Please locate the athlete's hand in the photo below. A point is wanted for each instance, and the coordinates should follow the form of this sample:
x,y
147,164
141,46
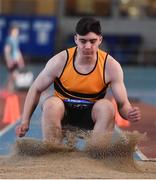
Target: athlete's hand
x,y
22,129
134,114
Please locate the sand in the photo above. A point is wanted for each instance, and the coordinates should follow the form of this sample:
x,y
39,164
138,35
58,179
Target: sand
x,y
70,165
31,158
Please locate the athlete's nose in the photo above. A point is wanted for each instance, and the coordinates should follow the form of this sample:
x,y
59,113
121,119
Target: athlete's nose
x,y
87,45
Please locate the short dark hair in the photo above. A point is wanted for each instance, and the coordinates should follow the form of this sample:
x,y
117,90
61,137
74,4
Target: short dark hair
x,y
88,24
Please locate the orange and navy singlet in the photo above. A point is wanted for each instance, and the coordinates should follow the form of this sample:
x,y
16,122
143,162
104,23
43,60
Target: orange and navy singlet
x,y
74,85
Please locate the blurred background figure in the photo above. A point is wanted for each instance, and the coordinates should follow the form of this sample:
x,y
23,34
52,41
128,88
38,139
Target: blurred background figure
x,y
13,56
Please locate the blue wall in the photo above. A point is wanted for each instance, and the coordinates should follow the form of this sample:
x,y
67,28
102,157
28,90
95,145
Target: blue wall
x,y
37,36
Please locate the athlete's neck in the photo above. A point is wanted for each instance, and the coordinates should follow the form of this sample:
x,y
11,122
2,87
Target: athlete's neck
x,y
84,60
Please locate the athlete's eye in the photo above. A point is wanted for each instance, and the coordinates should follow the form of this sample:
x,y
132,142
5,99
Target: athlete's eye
x,y
93,41
83,41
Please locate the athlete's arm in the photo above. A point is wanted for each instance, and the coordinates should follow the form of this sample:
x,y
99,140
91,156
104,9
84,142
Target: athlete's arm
x,y
52,70
114,75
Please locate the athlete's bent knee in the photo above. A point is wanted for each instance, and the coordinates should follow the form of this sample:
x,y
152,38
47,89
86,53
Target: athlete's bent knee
x,y
103,106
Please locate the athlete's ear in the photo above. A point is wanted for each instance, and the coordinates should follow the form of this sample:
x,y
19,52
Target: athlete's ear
x,y
101,39
75,38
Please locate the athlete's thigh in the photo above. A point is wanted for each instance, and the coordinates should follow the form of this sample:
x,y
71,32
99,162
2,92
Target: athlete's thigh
x,y
53,102
102,108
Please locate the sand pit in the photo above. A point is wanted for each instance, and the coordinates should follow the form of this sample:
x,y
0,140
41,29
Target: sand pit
x,y
32,158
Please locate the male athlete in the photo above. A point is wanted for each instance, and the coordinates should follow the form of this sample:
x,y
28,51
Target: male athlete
x,y
81,76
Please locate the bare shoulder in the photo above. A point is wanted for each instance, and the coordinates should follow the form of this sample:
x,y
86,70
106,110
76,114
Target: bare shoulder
x,y
58,59
113,69
56,64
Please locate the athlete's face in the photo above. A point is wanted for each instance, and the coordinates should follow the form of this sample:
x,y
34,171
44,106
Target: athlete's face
x,y
88,44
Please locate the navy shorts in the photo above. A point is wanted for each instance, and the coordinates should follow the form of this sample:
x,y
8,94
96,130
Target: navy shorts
x,y
78,113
